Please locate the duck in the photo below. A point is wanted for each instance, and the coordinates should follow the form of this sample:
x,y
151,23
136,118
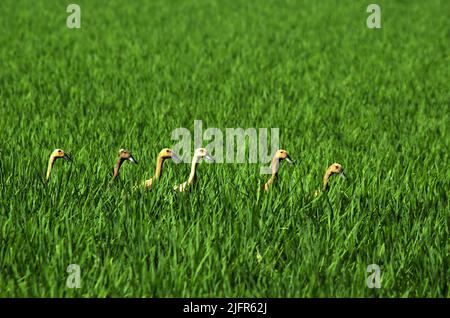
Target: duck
x,y
199,154
279,156
55,155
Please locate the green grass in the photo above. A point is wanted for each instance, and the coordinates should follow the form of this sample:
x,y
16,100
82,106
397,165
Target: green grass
x,y
376,101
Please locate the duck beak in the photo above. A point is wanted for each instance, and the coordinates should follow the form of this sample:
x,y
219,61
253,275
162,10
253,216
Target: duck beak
x,y
209,158
289,159
342,175
133,160
67,157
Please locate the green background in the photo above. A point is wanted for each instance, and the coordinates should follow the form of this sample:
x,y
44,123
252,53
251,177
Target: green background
x,y
374,100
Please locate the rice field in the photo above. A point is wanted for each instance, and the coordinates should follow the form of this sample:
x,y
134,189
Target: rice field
x,y
377,101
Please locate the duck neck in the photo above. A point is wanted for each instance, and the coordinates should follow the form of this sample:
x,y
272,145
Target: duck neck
x,y
275,166
117,167
159,166
51,162
274,176
326,180
193,173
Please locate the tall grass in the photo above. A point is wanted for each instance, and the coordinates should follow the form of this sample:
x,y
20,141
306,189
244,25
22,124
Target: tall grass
x,y
376,101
